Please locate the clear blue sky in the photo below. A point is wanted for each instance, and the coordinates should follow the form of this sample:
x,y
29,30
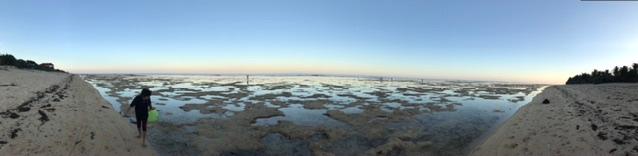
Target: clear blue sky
x,y
511,40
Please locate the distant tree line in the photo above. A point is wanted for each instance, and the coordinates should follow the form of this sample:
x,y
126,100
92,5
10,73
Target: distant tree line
x,y
618,74
9,60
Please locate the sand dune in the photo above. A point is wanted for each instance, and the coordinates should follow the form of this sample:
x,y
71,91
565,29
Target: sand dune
x,y
578,120
46,113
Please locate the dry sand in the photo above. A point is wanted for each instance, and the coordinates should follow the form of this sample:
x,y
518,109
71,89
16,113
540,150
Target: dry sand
x,y
47,113
579,120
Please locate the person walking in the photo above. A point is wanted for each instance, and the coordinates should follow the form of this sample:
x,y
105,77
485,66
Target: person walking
x,y
142,105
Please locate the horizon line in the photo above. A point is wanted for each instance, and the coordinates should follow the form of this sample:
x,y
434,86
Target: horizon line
x,y
306,74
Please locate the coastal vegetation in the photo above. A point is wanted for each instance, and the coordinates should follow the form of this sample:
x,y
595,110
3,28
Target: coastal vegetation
x,y
10,60
624,74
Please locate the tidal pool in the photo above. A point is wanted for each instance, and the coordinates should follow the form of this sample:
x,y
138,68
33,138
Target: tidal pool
x,y
316,115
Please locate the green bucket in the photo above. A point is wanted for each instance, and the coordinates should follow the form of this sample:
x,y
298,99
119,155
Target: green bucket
x,y
153,116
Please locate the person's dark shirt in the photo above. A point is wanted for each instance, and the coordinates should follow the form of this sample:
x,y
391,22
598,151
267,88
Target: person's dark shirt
x,y
141,106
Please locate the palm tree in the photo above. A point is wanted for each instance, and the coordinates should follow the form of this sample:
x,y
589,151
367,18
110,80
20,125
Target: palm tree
x,y
625,76
618,74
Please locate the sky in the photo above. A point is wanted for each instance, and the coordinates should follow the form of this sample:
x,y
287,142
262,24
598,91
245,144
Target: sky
x,y
539,41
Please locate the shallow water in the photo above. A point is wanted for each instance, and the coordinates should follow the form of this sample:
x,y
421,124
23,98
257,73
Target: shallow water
x,y
441,117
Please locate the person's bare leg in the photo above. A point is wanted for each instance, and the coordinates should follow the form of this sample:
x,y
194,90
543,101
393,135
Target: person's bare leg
x,y
139,126
144,138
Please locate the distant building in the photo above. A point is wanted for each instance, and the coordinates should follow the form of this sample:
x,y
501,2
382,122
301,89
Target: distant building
x,y
47,65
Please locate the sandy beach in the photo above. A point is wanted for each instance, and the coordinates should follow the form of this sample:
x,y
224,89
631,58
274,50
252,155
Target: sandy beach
x,y
50,113
577,120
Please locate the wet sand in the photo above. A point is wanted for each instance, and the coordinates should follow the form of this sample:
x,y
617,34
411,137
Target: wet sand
x,y
207,115
575,120
46,113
